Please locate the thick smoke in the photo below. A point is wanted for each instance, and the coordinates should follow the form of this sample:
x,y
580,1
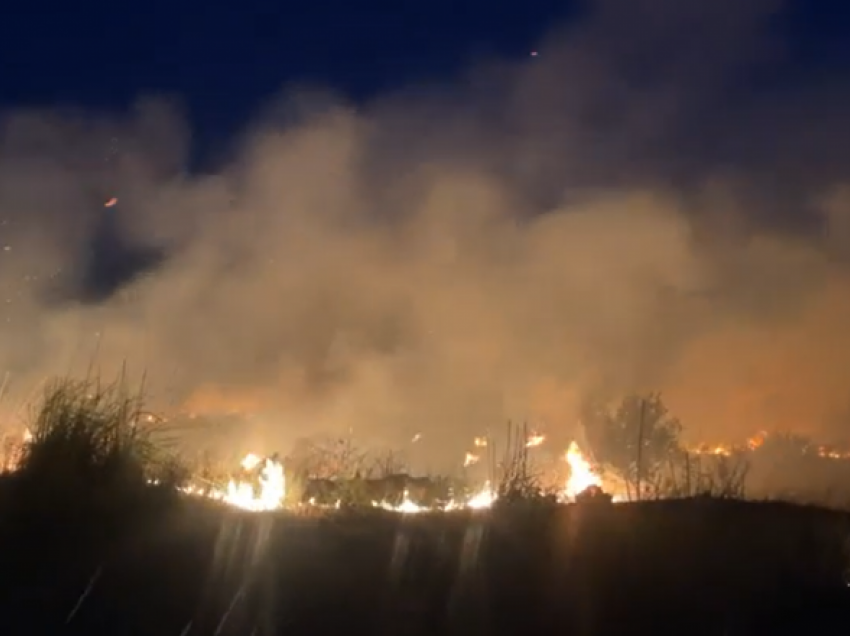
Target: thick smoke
x,y
619,213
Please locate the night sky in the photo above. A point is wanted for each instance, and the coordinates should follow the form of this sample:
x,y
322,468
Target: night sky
x,y
224,60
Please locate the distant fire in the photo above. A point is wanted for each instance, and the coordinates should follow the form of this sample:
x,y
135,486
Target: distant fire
x,y
260,484
757,442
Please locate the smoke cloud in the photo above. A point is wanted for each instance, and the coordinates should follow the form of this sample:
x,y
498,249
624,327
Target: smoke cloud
x,y
621,212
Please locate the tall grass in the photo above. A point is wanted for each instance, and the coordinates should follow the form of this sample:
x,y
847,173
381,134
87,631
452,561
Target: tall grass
x,y
516,479
91,438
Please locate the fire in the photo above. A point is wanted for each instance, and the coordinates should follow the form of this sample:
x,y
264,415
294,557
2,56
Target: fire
x,y
406,506
262,486
272,492
582,475
756,440
705,449
535,440
242,494
272,488
250,461
483,499
830,453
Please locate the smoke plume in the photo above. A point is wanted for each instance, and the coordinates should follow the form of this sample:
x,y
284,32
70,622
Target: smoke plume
x,y
621,212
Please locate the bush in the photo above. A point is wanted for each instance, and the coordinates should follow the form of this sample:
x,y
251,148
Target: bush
x,y
517,481
92,441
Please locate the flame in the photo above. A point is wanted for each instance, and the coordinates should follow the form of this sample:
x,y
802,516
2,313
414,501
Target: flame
x,y
243,495
756,440
272,488
831,453
250,461
266,491
406,506
535,440
582,475
482,499
705,449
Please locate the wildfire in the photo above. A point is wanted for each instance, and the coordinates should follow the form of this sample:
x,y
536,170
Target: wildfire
x,y
406,506
483,499
535,440
261,486
266,495
272,488
582,476
756,440
719,450
823,451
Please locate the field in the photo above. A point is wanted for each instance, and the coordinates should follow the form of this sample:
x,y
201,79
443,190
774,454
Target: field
x,y
92,544
163,565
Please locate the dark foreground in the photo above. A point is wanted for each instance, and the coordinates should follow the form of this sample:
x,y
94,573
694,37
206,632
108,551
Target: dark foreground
x,y
163,568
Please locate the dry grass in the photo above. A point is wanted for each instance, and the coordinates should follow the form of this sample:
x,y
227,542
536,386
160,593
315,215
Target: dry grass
x,y
91,438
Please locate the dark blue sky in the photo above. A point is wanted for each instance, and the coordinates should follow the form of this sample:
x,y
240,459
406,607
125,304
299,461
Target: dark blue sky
x,y
224,59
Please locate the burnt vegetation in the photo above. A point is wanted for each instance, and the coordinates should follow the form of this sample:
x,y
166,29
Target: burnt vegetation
x,y
98,540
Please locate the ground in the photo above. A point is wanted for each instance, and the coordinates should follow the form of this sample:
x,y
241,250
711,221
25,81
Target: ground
x,y
165,566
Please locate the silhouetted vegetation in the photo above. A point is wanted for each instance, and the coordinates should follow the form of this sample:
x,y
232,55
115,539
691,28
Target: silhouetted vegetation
x,y
90,546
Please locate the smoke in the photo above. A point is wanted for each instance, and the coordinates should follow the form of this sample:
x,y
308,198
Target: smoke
x,y
619,213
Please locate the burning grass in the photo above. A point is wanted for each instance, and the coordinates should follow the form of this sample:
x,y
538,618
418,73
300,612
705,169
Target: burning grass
x,y
526,565
88,438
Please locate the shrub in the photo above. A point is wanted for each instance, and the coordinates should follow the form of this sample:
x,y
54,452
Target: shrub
x,y
91,441
517,481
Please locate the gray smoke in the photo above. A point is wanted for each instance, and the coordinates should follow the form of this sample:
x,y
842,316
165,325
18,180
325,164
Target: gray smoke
x,y
617,213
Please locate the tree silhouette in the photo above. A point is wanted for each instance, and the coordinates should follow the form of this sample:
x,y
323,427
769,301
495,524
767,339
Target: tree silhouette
x,y
633,439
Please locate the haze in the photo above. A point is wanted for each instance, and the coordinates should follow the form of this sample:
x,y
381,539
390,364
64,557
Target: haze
x,y
610,215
